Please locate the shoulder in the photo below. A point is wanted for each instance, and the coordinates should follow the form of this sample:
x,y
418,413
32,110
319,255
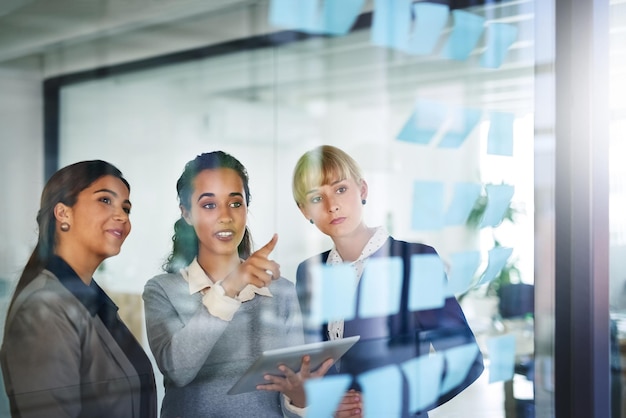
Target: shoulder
x,y
316,259
165,280
402,247
282,284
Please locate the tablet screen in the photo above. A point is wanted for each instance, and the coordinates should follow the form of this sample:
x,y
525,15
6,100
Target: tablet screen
x,y
268,361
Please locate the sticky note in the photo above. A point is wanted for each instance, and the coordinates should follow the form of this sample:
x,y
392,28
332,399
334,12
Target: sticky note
x,y
501,351
391,23
463,266
423,124
428,213
381,287
427,282
466,32
497,260
334,293
333,17
339,15
301,14
499,38
461,123
498,201
430,19
324,394
459,361
500,137
424,376
462,203
382,392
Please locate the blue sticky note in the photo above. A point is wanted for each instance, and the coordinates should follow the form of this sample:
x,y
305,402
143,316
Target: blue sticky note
x,y
382,392
324,395
430,19
339,15
498,201
463,121
499,38
381,287
428,211
497,260
428,279
501,351
391,23
423,123
463,200
334,293
500,137
465,34
301,14
424,376
463,265
459,360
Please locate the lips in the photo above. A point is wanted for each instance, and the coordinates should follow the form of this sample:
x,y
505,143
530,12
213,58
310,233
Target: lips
x,y
338,221
225,235
118,233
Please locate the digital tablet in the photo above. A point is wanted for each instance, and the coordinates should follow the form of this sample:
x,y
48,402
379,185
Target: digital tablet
x,y
268,361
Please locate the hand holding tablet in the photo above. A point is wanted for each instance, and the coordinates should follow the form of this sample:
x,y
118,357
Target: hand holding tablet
x,y
269,361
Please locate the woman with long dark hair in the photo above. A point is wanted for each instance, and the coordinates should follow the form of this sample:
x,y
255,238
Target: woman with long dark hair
x,y
220,304
66,353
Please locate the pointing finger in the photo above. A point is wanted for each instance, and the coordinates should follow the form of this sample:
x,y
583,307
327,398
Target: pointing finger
x,y
268,248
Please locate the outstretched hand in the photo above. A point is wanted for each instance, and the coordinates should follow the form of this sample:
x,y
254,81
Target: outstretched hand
x,y
292,384
257,270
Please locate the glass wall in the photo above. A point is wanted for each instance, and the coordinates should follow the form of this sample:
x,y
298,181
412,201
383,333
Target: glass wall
x,y
435,103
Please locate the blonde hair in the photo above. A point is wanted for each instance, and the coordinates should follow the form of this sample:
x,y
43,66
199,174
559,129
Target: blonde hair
x,y
320,166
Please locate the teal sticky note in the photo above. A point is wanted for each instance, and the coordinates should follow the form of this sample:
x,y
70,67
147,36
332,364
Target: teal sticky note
x,y
428,213
430,19
463,266
499,38
428,279
498,200
300,15
500,137
463,200
324,394
391,23
462,123
497,260
334,293
501,351
424,122
459,360
466,32
382,392
339,15
380,287
424,377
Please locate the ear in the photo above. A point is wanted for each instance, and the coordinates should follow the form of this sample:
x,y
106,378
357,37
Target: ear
x,y
63,213
303,211
185,215
363,190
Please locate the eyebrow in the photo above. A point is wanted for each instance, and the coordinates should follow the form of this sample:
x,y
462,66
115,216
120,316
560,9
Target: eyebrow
x,y
113,193
208,194
331,184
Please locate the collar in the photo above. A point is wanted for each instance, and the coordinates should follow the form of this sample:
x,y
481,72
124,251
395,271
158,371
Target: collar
x,y
198,280
374,244
91,296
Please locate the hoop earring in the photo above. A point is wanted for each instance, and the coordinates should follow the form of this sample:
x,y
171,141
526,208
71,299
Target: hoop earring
x,y
65,226
363,201
311,220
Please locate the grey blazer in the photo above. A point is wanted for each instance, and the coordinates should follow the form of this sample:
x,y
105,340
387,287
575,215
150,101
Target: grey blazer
x,y
60,361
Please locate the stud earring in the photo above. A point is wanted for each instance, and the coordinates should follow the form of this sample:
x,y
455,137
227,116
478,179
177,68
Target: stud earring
x,y
65,226
311,220
363,201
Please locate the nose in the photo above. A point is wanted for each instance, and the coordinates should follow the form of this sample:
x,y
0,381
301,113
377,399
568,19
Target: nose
x,y
332,205
121,215
225,216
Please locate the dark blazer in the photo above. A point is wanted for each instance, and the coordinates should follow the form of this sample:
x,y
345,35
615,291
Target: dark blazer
x,y
397,338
